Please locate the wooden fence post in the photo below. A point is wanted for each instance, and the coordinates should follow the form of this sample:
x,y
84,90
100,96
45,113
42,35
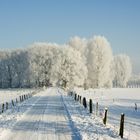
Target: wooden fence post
x,y
16,100
75,96
105,116
12,102
6,105
84,102
97,106
71,93
90,106
20,98
80,98
2,108
121,125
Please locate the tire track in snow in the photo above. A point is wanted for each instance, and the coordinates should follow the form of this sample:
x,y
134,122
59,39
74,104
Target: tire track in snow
x,y
47,118
76,135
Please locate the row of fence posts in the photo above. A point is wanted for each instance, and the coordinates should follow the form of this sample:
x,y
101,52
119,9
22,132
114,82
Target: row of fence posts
x,y
21,99
84,102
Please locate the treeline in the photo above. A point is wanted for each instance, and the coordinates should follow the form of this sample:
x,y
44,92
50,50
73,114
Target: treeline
x,y
134,81
81,62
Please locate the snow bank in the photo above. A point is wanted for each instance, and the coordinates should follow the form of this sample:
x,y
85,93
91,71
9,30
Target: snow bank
x,y
6,95
118,101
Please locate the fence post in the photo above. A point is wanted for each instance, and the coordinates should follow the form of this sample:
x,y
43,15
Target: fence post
x,y
75,96
16,100
97,108
84,102
6,105
71,93
80,98
2,108
105,116
121,125
90,105
20,98
12,102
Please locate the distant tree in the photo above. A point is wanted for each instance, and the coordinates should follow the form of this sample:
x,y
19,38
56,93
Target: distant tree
x,y
80,62
122,70
69,68
13,68
99,58
7,70
3,69
134,81
19,58
79,44
41,60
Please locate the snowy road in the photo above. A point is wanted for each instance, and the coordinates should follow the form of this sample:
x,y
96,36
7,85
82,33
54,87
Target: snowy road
x,y
46,118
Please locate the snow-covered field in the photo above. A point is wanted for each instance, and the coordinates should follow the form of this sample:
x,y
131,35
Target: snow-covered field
x,y
44,116
51,114
6,95
118,101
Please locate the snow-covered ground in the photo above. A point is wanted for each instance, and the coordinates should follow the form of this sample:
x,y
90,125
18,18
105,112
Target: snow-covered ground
x,y
118,101
44,116
6,95
52,115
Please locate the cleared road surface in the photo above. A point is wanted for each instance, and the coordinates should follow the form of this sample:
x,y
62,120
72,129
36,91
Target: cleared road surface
x,y
46,119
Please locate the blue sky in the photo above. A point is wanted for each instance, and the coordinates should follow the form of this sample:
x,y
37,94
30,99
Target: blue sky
x,y
23,22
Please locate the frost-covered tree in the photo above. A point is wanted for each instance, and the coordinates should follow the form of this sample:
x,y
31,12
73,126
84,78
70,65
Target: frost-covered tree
x,y
69,68
7,70
78,63
122,70
79,44
20,63
134,81
13,69
41,60
99,58
3,72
